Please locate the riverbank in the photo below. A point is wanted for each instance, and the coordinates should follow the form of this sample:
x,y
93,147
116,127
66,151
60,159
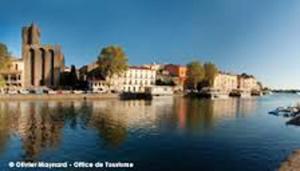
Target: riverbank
x,y
67,97
59,97
292,162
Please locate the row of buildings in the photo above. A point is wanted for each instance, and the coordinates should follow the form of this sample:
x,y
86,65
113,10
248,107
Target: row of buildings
x,y
236,84
152,77
43,65
155,77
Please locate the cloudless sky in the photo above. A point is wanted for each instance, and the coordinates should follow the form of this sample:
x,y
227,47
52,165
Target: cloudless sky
x,y
260,37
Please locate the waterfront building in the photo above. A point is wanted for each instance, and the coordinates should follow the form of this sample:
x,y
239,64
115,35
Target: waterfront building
x,y
237,85
172,75
84,70
136,79
14,74
225,82
178,72
98,85
43,64
248,83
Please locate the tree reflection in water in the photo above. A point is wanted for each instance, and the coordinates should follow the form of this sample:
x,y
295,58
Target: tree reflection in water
x,y
7,122
112,131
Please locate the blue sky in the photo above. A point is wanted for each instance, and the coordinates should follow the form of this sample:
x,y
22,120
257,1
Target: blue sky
x,y
261,37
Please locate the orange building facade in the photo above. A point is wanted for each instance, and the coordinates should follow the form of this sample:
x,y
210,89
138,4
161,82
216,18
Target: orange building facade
x,y
179,72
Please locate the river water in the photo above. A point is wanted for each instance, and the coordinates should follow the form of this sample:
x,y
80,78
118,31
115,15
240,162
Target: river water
x,y
164,134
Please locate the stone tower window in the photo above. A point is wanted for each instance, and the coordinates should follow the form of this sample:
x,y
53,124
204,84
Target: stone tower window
x,y
43,56
52,67
32,72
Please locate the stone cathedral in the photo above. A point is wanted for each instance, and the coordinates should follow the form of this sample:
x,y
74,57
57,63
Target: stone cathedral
x,y
43,64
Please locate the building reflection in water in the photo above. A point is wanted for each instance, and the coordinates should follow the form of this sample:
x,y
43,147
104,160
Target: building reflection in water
x,y
41,124
39,127
195,113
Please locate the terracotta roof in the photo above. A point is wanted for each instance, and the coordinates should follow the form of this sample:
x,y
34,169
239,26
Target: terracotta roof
x,y
139,67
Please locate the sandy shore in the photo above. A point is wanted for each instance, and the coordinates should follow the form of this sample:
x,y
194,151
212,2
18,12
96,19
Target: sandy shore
x,y
58,96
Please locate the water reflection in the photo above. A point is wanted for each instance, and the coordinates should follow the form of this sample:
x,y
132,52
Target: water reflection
x,y
41,125
194,113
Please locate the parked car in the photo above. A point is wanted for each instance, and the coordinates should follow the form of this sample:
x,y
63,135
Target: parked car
x,y
66,92
23,91
31,91
39,91
59,92
11,92
52,92
78,92
99,90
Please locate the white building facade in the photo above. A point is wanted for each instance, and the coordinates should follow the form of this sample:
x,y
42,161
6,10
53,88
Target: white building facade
x,y
137,79
14,74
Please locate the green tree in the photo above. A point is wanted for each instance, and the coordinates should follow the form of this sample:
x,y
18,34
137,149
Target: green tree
x,y
69,79
112,61
260,85
5,61
73,76
4,57
211,71
2,81
3,50
195,73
